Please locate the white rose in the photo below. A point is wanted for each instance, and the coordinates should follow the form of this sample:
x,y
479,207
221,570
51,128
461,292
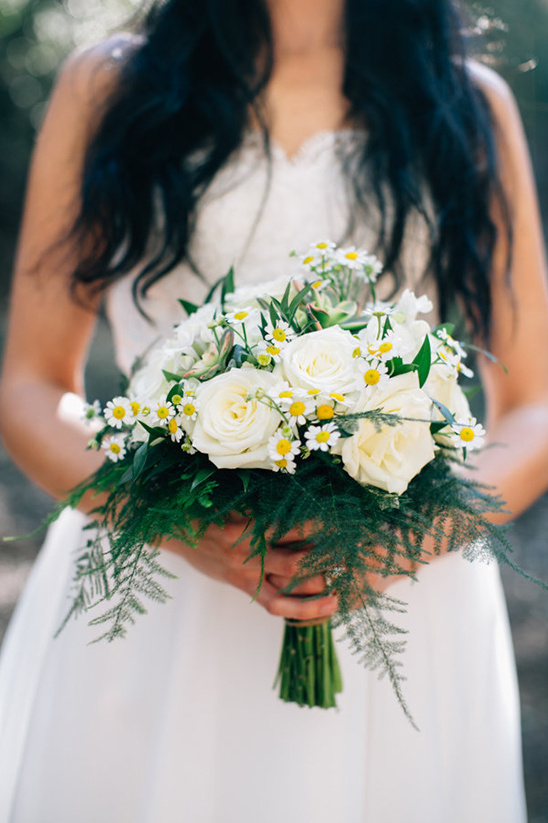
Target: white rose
x,y
321,360
442,385
231,430
390,457
148,383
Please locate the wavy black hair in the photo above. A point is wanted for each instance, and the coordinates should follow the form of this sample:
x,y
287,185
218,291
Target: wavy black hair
x,y
198,72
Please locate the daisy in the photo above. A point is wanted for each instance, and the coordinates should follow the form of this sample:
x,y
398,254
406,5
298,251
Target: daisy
x,y
374,374
280,334
118,411
175,431
299,408
268,352
115,447
468,434
244,315
282,446
321,437
162,410
188,407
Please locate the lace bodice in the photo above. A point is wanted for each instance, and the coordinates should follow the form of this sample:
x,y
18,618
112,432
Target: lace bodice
x,y
251,217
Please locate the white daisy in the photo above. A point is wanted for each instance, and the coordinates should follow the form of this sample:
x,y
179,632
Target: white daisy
x,y
374,374
243,315
468,434
280,334
161,411
118,411
267,351
321,437
176,433
282,445
188,406
115,446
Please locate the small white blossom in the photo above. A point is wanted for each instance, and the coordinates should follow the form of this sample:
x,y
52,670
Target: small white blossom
x,y
468,434
243,315
118,411
280,334
115,446
282,446
91,411
266,352
374,374
321,438
162,410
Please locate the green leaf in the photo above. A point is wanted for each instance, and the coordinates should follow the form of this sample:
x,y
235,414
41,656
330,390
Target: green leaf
x,y
244,477
299,298
422,361
170,375
489,356
202,475
213,289
285,298
444,410
189,307
227,285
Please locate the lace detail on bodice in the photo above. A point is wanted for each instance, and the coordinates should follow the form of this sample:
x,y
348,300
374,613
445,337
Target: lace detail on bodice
x,y
251,217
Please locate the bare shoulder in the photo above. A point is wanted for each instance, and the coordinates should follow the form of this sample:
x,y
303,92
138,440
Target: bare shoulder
x,y
89,76
497,91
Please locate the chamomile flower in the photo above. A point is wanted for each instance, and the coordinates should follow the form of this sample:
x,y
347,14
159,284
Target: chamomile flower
x,y
115,446
384,348
450,342
300,407
468,434
162,410
176,433
352,258
188,406
91,411
117,412
321,438
286,464
280,334
243,315
283,449
374,374
320,254
267,352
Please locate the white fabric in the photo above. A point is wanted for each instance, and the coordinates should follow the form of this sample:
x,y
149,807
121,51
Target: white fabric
x,y
179,722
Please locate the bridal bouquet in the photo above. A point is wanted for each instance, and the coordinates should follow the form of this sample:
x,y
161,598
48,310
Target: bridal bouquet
x,y
307,404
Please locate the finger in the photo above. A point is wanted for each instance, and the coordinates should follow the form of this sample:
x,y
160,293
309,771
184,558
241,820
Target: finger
x,y
295,608
284,562
314,585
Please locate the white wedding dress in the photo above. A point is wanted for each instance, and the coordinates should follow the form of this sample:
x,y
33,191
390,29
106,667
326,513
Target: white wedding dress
x,y
179,723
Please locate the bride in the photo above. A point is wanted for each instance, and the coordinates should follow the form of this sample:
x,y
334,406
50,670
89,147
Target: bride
x,y
229,132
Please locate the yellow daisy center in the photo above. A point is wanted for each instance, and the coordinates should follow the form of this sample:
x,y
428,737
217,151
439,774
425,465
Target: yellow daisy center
x,y
279,335
162,412
264,359
372,377
308,260
340,397
189,409
321,246
317,284
467,434
283,446
172,425
281,463
273,350
313,392
357,351
351,255
385,347
322,437
176,399
118,412
297,408
135,407
325,412
115,448
286,394
240,315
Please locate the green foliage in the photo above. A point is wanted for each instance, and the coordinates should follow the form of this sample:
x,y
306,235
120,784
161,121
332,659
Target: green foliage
x,y
357,532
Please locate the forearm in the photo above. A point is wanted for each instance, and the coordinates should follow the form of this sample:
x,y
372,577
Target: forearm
x,y
515,462
45,434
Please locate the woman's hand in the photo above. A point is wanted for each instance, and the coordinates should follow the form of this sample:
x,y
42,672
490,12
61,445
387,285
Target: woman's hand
x,y
218,557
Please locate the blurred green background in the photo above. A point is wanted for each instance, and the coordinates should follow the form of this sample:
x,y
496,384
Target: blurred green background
x,y
35,36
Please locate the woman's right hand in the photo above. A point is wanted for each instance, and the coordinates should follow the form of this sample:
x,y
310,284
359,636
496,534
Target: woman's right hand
x,y
218,557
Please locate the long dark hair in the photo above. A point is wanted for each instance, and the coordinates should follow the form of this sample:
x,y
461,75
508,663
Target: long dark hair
x,y
199,71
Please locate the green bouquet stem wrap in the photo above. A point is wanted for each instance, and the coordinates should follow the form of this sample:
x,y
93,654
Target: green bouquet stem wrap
x,y
309,673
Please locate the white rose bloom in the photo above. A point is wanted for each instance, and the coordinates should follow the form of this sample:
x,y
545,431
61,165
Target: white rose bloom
x,y
442,385
149,383
322,360
390,457
232,431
